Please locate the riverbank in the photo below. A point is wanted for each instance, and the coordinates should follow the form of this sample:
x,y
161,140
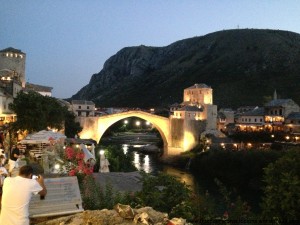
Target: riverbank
x,y
120,181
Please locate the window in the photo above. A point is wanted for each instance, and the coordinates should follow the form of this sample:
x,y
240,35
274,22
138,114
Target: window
x,y
255,120
88,107
280,111
79,113
79,107
261,120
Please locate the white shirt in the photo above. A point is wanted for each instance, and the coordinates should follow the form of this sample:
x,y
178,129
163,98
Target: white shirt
x,y
3,173
17,192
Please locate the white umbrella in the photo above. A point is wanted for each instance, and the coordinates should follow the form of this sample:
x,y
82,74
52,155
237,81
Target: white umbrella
x,y
87,154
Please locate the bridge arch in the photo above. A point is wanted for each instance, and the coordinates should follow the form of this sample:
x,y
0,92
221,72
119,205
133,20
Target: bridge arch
x,y
94,127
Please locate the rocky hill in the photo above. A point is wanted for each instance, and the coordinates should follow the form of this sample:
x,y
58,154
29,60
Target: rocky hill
x,y
243,67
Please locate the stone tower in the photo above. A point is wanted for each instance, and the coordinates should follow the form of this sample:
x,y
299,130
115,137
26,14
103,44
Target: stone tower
x,y
12,63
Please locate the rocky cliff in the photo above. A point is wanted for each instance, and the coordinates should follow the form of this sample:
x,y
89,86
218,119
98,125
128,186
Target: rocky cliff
x,y
243,67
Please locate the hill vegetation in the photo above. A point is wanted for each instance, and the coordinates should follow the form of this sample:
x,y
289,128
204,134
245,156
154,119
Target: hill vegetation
x,y
243,67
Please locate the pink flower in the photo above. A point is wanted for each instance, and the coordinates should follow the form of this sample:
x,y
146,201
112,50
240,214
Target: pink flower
x,y
69,152
72,173
79,155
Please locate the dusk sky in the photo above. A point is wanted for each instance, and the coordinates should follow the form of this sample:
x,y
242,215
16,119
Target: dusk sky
x,y
68,41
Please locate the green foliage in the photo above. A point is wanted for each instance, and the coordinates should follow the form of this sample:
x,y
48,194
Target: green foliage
x,y
119,162
72,128
162,192
36,112
242,169
282,190
95,196
235,208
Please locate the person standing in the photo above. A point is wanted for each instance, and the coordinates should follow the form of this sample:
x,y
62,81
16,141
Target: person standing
x,y
3,174
14,156
16,196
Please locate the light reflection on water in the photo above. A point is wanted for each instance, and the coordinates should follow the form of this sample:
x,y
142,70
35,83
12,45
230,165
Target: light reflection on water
x,y
149,164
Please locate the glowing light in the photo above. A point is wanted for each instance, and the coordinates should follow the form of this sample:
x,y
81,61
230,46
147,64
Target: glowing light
x,y
57,166
189,141
101,152
147,123
137,160
146,166
287,137
138,123
125,148
249,145
125,121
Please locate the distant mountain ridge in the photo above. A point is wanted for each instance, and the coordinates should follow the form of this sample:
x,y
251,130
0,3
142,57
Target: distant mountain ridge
x,y
242,66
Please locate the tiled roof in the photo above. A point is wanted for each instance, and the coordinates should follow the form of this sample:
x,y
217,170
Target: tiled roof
x,y
221,115
190,108
279,102
258,111
38,88
82,102
294,115
198,86
10,49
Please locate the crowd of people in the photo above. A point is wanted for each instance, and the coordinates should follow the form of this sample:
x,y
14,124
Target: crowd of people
x,y
16,190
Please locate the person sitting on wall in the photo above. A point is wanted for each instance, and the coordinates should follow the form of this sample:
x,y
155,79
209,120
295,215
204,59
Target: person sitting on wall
x,y
17,193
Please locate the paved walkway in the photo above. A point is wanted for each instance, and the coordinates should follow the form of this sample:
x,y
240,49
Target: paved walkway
x,y
120,181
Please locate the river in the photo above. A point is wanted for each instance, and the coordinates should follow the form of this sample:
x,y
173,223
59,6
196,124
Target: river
x,y
133,143
147,161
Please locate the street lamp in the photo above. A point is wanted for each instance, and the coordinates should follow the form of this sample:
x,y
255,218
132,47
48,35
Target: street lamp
x,y
125,122
287,138
138,123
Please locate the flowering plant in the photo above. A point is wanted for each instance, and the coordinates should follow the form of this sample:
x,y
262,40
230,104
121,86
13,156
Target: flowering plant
x,y
76,163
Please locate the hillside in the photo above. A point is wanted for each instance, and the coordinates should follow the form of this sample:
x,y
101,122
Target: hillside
x,y
243,67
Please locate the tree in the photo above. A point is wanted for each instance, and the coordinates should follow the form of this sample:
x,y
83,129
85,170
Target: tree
x,y
36,112
72,128
282,190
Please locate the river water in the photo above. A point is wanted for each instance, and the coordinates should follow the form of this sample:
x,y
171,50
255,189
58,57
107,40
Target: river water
x,y
134,143
147,161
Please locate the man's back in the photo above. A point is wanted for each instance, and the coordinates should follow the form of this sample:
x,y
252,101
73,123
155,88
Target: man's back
x,y
17,192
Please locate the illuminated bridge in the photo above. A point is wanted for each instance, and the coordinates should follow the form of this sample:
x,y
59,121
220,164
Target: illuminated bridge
x,y
176,134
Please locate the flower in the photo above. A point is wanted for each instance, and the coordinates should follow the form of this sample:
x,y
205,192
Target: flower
x,y
69,153
72,172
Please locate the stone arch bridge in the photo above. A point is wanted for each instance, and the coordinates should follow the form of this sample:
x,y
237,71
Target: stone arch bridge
x,y
94,127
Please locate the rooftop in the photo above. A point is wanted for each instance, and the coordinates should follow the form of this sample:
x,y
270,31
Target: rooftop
x,y
190,108
82,102
38,88
279,102
198,86
257,111
13,50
